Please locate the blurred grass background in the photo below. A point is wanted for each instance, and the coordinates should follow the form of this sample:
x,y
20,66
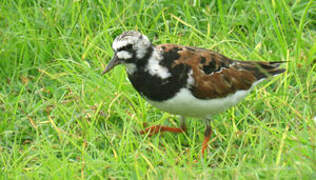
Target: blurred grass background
x,y
61,119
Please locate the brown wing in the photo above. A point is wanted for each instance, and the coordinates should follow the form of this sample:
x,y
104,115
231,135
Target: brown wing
x,y
218,76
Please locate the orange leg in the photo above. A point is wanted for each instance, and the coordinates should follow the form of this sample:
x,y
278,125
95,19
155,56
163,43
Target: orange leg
x,y
156,129
207,134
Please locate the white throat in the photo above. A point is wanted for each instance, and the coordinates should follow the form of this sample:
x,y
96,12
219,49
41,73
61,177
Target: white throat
x,y
130,68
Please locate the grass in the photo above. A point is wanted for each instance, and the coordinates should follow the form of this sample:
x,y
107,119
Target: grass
x,y
61,119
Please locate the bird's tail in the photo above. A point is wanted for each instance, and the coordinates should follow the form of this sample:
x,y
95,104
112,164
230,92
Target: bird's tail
x,y
263,69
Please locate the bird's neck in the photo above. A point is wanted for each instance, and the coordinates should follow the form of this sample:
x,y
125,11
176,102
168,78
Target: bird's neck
x,y
140,63
153,79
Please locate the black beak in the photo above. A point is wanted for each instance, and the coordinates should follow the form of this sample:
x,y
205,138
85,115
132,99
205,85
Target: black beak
x,y
114,61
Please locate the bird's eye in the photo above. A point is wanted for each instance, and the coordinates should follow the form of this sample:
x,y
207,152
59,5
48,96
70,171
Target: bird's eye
x,y
128,47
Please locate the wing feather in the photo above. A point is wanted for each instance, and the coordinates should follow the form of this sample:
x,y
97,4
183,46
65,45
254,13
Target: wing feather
x,y
216,75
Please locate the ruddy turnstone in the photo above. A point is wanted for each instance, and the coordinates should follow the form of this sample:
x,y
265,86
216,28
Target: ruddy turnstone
x,y
187,81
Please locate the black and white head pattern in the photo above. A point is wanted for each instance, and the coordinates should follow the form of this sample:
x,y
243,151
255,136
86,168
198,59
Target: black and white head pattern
x,y
131,44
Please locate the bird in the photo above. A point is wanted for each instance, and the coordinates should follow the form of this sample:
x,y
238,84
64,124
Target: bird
x,y
186,81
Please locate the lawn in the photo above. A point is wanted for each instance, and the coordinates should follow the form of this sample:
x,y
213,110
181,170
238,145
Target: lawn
x,y
61,119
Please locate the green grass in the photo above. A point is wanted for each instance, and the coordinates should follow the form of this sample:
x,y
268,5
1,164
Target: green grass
x,y
61,119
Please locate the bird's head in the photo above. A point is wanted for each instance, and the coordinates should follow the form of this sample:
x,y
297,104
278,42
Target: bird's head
x,y
129,47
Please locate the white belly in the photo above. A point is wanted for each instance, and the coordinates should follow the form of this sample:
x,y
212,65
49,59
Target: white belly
x,y
185,104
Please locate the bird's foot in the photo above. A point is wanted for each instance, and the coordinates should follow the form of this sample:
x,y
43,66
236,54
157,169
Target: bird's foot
x,y
157,128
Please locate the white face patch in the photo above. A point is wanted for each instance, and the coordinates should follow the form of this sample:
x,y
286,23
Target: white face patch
x,y
140,53
154,68
142,46
130,68
139,42
124,55
117,44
